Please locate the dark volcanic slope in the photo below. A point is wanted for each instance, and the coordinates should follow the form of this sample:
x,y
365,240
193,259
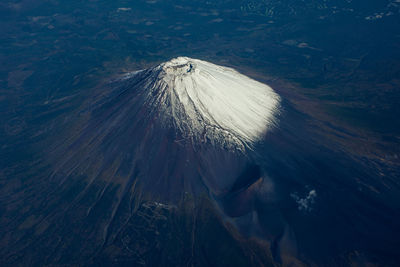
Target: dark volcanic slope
x,y
123,184
130,156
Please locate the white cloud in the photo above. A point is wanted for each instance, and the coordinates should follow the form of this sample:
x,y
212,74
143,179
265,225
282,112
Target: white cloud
x,y
304,204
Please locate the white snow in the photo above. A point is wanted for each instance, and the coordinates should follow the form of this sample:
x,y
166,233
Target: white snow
x,y
207,102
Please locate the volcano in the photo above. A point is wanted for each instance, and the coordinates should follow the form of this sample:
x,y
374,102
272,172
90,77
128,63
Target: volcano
x,y
184,126
192,163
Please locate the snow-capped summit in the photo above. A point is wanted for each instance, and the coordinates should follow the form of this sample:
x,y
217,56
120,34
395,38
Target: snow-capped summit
x,y
210,103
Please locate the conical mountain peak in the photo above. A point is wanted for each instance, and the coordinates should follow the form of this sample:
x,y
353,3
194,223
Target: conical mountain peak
x,y
210,103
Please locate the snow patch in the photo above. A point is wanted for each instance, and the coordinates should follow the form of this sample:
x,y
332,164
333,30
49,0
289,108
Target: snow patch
x,y
210,103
